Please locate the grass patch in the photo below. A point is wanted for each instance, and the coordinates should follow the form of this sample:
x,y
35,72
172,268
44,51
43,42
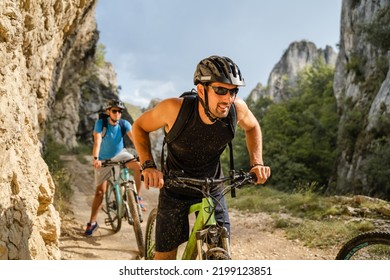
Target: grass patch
x,y
61,176
319,234
63,193
304,204
317,220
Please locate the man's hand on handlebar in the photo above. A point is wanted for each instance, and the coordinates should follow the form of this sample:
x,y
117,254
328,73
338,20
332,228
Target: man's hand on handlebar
x,y
153,178
262,173
96,163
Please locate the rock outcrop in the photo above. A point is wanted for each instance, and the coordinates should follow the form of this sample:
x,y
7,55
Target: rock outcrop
x,y
299,55
362,89
37,39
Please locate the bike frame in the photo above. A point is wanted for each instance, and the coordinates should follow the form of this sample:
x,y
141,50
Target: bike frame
x,y
119,188
122,202
124,176
202,219
205,229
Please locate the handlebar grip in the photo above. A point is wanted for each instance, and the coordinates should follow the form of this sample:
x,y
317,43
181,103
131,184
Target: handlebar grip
x,y
253,177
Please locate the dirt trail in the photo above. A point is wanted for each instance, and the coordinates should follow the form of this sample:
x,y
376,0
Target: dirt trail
x,y
253,236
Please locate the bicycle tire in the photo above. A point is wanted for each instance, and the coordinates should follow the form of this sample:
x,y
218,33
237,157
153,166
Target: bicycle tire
x,y
217,254
150,235
373,245
113,198
136,221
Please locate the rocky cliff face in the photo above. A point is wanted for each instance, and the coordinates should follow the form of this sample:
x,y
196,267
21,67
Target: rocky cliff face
x,y
37,43
362,89
284,74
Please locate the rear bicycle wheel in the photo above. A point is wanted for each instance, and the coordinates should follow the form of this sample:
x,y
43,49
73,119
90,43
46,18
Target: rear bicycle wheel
x,y
373,245
150,235
113,206
136,221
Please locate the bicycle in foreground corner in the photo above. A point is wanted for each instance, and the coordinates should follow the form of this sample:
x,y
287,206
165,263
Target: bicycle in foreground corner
x,y
208,240
121,200
373,245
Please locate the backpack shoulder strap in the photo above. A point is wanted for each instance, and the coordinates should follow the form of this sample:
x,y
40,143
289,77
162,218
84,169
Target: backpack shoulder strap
x,y
104,128
184,115
185,112
123,131
123,128
233,125
233,118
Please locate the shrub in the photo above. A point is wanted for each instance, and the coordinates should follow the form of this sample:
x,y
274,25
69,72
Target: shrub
x,y
60,175
100,54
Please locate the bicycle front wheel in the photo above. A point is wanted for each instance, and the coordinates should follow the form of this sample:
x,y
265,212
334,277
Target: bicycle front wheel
x,y
367,246
136,221
216,254
150,235
113,207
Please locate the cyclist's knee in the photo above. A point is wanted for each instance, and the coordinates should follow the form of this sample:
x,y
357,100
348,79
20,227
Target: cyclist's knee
x,y
99,193
100,190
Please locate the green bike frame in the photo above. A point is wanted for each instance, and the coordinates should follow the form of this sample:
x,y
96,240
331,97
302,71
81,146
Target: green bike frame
x,y
205,217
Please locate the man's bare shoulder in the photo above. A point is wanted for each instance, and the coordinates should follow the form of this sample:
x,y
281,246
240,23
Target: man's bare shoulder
x,y
172,102
168,110
242,110
241,106
169,106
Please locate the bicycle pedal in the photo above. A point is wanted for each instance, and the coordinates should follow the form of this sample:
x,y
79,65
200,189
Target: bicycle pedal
x,y
107,221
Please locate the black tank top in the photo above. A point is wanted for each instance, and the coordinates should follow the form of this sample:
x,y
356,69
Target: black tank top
x,y
198,148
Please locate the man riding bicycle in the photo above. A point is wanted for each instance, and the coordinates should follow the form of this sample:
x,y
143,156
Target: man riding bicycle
x,y
110,146
197,150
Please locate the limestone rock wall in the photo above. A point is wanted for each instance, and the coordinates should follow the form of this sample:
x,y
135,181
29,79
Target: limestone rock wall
x,y
35,39
298,56
361,86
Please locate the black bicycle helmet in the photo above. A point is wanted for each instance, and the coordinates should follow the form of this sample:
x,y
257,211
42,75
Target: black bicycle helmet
x,y
114,103
218,69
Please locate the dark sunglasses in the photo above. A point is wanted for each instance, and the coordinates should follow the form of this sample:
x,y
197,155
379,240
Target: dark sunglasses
x,y
224,91
114,111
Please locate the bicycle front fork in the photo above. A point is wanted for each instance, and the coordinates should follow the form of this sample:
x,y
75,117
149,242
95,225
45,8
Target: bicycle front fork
x,y
215,239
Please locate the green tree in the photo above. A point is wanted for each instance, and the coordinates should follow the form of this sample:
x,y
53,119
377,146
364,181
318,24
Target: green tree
x,y
299,135
377,170
241,156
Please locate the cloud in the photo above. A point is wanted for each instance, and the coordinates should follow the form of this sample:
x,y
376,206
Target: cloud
x,y
142,91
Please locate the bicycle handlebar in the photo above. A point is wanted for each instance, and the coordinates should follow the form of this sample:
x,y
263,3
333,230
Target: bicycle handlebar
x,y
109,162
236,180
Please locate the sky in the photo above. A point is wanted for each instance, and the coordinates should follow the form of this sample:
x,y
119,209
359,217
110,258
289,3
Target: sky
x,y
155,45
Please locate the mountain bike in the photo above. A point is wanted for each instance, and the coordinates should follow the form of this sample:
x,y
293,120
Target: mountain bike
x,y
208,240
122,202
373,245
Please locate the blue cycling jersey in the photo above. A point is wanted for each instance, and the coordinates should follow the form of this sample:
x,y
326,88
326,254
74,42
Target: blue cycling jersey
x,y
112,142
